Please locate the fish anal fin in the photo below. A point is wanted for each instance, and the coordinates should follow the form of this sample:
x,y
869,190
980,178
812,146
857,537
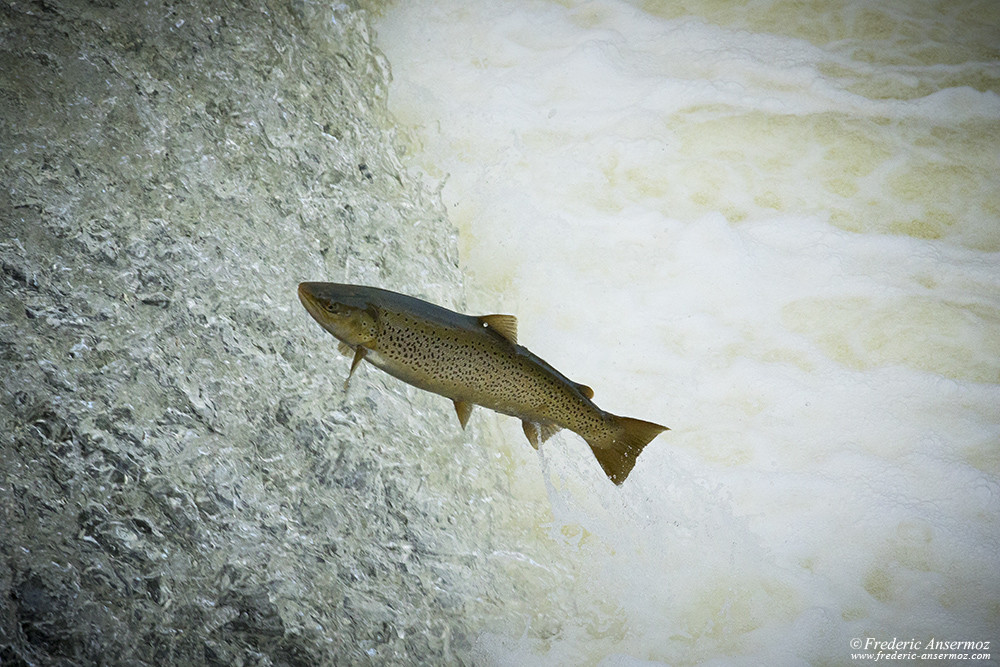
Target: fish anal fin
x,y
505,325
537,433
359,355
585,390
532,432
464,409
549,430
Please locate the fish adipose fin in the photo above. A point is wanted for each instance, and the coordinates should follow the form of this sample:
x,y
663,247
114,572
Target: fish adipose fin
x,y
618,457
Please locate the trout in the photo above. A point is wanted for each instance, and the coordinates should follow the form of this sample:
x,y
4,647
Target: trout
x,y
473,361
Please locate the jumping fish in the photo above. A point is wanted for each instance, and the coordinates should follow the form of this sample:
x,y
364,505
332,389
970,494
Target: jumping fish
x,y
473,361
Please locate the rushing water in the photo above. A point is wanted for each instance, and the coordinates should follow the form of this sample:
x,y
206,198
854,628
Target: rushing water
x,y
774,228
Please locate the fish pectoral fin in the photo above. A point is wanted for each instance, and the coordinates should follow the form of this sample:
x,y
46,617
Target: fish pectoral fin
x,y
345,349
505,325
537,433
359,354
464,409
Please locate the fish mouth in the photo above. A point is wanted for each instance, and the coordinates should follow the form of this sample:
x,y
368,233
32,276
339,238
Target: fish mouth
x,y
305,292
308,298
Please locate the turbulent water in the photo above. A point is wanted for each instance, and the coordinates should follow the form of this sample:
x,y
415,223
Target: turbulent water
x,y
774,227
183,480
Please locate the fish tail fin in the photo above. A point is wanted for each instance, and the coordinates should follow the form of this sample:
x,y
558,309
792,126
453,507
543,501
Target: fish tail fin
x,y
617,454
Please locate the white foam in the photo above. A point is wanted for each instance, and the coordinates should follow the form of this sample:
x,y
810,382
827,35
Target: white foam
x,y
727,230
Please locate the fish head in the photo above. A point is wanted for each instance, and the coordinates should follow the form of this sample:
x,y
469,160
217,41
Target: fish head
x,y
343,310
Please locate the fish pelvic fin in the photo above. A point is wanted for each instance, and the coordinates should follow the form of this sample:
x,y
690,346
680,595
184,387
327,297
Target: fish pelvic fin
x,y
463,409
618,456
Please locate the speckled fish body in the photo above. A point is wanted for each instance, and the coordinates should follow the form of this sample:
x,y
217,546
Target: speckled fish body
x,y
473,361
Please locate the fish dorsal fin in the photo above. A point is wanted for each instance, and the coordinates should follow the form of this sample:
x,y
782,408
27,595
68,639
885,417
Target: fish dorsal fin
x,y
505,325
585,390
